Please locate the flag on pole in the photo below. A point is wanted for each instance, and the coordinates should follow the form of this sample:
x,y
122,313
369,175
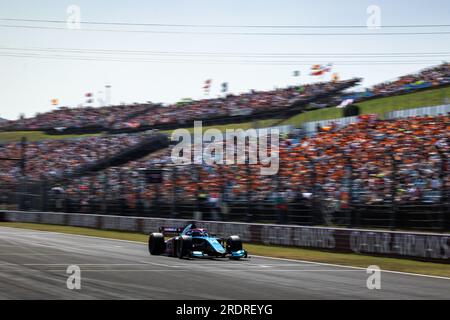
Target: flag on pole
x,y
225,87
319,70
207,86
328,67
335,77
89,97
317,73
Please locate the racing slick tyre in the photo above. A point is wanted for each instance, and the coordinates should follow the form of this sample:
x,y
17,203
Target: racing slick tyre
x,y
184,246
156,244
233,244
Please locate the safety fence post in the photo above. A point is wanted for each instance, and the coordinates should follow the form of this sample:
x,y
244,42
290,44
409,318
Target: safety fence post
x,y
395,219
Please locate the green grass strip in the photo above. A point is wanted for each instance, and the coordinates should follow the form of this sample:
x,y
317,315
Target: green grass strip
x,y
378,106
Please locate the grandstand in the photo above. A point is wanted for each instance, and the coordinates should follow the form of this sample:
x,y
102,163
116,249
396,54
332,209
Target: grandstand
x,y
289,105
232,108
362,174
321,179
424,88
380,106
225,150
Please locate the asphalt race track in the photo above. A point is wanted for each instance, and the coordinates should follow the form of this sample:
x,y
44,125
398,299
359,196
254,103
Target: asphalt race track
x,y
33,265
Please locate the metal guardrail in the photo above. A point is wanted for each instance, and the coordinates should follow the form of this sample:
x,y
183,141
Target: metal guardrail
x,y
429,111
394,216
311,126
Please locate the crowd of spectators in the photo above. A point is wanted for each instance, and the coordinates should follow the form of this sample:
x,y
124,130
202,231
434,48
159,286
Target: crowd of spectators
x,y
126,116
373,161
52,158
430,77
79,117
136,115
433,76
230,105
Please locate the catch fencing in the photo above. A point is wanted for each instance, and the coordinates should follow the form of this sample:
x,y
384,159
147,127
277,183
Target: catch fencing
x,y
309,205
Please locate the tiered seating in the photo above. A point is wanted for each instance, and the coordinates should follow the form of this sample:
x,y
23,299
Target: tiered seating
x,y
427,78
142,115
51,158
369,162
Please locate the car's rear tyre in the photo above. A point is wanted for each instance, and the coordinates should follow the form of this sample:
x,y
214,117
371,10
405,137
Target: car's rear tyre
x,y
184,246
156,244
174,251
233,244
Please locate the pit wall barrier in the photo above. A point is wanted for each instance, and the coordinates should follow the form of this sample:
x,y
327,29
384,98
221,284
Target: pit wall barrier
x,y
432,247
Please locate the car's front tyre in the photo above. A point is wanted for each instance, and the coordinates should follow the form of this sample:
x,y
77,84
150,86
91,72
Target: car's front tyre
x,y
233,244
156,244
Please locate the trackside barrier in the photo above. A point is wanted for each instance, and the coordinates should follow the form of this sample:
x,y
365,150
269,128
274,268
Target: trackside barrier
x,y
418,112
433,247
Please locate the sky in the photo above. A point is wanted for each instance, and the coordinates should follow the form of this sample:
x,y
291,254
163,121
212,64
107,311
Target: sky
x,y
28,83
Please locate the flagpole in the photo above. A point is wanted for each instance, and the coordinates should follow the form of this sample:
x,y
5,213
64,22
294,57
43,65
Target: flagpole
x,y
108,94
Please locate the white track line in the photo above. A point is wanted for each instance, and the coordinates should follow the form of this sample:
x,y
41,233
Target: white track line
x,y
24,255
178,270
257,256
359,268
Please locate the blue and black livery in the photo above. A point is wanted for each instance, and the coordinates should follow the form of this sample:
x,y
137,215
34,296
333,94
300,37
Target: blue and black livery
x,y
193,242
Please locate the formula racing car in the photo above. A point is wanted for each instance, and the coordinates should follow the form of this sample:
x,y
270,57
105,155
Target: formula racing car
x,y
192,242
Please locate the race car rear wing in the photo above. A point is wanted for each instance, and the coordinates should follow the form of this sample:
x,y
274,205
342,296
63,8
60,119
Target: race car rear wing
x,y
176,230
170,230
